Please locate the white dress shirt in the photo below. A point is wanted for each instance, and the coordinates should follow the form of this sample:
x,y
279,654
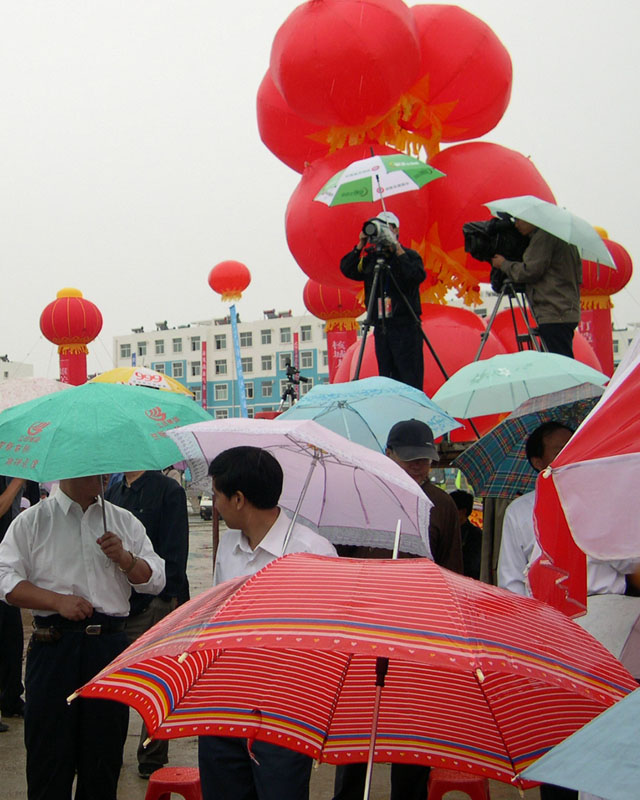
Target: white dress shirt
x,y
53,546
519,549
235,556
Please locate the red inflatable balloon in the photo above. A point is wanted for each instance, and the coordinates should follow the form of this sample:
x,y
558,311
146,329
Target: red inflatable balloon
x,y
477,172
466,73
339,307
600,282
338,62
288,136
454,334
319,235
230,279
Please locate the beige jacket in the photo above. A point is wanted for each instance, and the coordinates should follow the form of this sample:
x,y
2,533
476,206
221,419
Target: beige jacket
x,y
552,272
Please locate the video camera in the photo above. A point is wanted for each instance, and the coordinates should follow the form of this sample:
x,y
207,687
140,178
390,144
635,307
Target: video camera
x,y
294,376
498,235
379,233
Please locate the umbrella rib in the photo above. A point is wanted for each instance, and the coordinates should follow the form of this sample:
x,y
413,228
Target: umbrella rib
x,y
334,702
480,680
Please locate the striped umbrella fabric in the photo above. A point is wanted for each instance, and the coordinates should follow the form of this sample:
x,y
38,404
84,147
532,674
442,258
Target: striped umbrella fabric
x,y
479,679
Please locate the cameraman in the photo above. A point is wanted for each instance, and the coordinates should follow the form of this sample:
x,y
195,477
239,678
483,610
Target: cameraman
x,y
397,336
551,269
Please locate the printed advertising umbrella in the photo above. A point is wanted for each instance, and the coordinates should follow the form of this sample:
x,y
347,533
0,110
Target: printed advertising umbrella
x,y
502,383
497,466
479,679
364,411
93,429
349,493
557,221
142,376
377,178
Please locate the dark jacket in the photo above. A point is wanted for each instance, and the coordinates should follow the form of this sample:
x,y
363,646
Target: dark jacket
x,y
160,504
407,269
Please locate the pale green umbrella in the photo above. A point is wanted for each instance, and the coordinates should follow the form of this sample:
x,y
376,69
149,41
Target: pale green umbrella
x,y
377,178
94,429
502,383
557,221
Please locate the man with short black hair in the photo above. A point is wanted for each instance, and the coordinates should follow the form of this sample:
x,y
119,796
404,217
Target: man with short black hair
x,y
247,484
398,337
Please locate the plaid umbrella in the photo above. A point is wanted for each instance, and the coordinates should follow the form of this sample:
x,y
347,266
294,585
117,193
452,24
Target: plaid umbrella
x,y
479,679
497,466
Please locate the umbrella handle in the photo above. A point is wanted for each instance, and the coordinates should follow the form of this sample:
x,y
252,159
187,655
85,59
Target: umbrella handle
x,y
104,512
382,665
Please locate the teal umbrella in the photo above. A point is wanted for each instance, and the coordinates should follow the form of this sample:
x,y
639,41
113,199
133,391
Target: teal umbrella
x,y
364,411
558,222
502,383
94,429
377,178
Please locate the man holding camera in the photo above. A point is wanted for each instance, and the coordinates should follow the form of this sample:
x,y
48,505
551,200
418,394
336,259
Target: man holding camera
x,y
551,270
397,335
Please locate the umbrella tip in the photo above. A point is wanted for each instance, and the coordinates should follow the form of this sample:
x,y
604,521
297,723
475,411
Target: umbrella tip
x,y
182,657
147,742
480,675
72,697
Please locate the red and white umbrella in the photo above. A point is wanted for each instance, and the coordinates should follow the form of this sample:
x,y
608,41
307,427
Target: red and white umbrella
x,y
585,498
479,679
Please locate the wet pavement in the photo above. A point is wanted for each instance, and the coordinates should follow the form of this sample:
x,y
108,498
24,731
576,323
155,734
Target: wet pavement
x,y
183,752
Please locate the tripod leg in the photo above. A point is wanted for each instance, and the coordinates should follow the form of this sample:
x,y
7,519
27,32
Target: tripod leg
x,y
485,334
373,297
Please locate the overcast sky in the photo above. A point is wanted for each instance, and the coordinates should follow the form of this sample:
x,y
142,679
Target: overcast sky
x,y
131,161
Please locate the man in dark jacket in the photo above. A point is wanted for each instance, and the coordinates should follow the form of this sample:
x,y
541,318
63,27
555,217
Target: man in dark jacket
x,y
398,338
160,503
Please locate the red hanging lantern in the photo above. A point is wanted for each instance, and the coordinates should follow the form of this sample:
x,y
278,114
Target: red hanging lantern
x,y
477,172
71,322
466,83
229,279
339,308
337,62
598,284
318,236
288,136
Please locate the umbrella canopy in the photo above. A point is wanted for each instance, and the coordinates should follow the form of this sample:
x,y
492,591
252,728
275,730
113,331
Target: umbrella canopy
x,y
364,411
92,429
376,178
351,494
557,221
497,465
596,472
601,758
142,376
502,383
478,679
14,391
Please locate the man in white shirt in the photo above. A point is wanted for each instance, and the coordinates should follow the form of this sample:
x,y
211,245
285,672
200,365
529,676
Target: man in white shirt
x,y
247,484
57,560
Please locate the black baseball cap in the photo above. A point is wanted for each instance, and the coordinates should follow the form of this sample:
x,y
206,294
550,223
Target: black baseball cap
x,y
412,439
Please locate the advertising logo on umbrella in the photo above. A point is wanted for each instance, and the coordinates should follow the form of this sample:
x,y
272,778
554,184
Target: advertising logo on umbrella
x,y
36,428
157,414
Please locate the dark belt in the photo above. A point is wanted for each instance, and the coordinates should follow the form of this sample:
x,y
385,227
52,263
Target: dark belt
x,y
94,625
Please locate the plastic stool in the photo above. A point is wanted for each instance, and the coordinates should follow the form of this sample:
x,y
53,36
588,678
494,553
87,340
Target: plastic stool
x,y
442,781
181,780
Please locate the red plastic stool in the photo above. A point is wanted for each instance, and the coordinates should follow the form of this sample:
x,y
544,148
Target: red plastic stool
x,y
442,781
181,780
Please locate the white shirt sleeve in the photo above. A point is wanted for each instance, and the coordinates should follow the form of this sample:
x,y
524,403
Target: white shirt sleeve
x,y
518,538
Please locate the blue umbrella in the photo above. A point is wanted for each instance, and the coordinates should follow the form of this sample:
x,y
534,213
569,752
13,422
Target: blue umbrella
x,y
601,758
364,411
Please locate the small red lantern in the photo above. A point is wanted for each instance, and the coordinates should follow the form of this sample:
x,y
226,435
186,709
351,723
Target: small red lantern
x,y
339,308
71,322
229,279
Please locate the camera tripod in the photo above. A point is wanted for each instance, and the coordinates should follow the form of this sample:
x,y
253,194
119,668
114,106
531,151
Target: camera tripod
x,y
529,339
375,295
294,378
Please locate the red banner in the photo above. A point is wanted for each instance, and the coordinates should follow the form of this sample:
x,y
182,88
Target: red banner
x,y
203,373
595,326
296,361
338,342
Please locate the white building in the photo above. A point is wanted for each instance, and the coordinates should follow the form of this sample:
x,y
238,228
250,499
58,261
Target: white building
x,y
266,346
14,369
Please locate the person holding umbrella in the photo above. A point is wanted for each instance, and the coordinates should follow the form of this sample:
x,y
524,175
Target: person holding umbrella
x,y
551,270
397,335
57,560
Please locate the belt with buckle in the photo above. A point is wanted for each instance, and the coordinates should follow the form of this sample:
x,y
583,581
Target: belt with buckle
x,y
92,626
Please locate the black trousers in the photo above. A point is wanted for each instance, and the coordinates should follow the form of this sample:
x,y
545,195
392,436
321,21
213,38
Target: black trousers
x,y
408,781
558,337
11,646
399,351
86,736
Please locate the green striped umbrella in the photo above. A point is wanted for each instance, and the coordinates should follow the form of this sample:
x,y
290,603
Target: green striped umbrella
x,y
377,178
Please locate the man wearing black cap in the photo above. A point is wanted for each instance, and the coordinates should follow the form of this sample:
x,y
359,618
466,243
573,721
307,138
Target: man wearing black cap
x,y
410,444
398,337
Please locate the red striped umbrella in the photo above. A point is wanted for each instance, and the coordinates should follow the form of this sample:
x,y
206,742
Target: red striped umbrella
x,y
479,679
